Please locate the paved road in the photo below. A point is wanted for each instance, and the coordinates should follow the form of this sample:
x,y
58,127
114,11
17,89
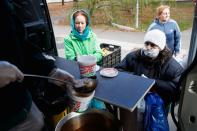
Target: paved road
x,y
127,40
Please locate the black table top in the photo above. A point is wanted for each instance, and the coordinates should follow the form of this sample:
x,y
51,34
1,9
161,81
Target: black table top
x,y
125,90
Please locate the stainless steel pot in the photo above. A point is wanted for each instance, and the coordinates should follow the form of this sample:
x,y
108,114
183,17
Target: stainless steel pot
x,y
91,120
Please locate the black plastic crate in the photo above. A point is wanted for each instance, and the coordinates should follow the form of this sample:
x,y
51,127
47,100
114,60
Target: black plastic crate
x,y
113,56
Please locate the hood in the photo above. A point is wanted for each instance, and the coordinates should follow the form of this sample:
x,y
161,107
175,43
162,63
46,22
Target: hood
x,y
85,34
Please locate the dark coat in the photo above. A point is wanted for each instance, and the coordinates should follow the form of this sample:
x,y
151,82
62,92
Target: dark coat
x,y
15,99
164,69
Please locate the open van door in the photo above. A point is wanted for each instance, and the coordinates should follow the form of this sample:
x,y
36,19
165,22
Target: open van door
x,y
187,111
37,22
35,16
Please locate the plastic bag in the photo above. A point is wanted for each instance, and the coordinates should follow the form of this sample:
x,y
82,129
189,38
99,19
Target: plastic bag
x,y
155,117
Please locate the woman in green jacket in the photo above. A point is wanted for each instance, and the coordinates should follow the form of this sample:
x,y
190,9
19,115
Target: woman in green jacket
x,y
81,40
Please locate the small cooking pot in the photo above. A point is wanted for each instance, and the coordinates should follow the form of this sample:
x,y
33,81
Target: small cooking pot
x,y
91,120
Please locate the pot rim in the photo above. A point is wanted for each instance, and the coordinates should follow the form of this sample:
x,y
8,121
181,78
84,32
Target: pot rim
x,y
65,119
75,114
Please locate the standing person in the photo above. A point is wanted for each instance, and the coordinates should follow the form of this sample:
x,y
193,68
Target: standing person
x,y
18,112
170,27
81,40
155,61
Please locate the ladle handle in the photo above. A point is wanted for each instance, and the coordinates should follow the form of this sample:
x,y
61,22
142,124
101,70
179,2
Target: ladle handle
x,y
47,77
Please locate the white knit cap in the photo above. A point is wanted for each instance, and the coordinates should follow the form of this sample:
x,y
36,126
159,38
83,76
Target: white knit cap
x,y
156,37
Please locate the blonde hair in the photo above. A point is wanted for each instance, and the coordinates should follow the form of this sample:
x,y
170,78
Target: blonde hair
x,y
160,9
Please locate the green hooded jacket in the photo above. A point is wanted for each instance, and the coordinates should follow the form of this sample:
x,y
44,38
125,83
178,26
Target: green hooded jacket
x,y
73,46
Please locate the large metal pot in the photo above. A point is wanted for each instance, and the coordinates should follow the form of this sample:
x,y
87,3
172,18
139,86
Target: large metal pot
x,y
91,120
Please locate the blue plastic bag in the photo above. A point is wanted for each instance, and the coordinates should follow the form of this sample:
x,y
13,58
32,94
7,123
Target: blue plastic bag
x,y
155,117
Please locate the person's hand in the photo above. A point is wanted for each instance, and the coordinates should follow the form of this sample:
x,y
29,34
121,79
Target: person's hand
x,y
179,55
152,89
142,75
9,73
62,75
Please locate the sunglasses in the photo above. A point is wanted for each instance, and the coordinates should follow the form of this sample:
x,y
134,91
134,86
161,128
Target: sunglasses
x,y
150,44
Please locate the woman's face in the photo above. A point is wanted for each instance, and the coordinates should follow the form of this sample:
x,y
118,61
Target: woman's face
x,y
165,15
151,50
80,23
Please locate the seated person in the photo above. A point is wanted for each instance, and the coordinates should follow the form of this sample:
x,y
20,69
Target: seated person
x,y
81,40
155,61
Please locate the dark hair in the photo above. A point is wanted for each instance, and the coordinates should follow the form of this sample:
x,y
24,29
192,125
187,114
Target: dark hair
x,y
164,55
81,12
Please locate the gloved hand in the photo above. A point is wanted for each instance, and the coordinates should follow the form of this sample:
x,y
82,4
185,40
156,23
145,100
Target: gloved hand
x,y
9,73
142,75
62,75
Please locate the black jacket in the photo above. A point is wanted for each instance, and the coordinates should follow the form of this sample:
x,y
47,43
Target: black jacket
x,y
165,70
15,99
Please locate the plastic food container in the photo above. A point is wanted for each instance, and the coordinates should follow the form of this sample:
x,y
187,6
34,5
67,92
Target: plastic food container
x,y
79,102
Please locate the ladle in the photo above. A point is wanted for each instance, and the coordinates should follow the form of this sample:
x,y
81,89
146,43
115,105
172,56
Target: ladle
x,y
85,85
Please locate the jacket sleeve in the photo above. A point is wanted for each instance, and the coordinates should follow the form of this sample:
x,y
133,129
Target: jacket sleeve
x,y
69,50
177,38
127,63
167,85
